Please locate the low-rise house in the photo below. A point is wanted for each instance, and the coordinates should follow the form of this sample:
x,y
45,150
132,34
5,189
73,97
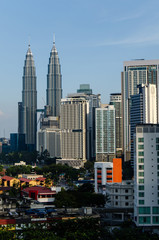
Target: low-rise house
x,y
31,176
21,163
40,181
27,182
120,195
41,194
7,181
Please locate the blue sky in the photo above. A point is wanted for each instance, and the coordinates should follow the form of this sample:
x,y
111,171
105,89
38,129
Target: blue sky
x,y
93,38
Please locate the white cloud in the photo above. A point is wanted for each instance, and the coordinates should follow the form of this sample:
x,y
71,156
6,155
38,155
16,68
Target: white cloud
x,y
124,16
148,38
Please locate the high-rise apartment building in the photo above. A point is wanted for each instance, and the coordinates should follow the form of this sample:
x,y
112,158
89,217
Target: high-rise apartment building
x,y
49,139
27,110
105,133
146,175
73,125
115,99
94,101
54,83
143,109
135,72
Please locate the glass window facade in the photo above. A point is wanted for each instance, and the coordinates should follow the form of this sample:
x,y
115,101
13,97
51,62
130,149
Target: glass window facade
x,y
155,210
140,146
144,210
155,220
140,140
140,160
141,187
141,174
144,220
141,167
140,153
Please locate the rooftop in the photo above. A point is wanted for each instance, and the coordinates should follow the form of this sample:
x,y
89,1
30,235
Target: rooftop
x,y
39,189
7,178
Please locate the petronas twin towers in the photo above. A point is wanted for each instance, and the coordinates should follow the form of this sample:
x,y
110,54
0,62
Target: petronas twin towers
x,y
28,107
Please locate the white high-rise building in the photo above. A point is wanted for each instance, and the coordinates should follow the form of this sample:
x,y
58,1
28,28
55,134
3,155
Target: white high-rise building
x,y
143,109
49,139
115,99
146,175
73,125
150,104
136,72
105,133
94,101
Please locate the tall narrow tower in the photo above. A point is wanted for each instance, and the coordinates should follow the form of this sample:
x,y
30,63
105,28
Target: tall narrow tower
x,y
29,101
54,83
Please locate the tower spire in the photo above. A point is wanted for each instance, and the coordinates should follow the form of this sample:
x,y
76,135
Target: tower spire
x,y
54,39
29,42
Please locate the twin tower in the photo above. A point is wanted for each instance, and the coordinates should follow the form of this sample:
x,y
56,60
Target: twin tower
x,y
27,109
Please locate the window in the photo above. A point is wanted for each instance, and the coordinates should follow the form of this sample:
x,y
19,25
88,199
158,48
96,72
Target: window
x,y
140,140
140,160
144,220
144,210
141,202
141,174
141,194
140,153
141,187
126,197
157,147
158,174
141,167
140,146
116,197
141,180
126,190
126,204
155,210
116,190
157,160
116,203
157,140
155,219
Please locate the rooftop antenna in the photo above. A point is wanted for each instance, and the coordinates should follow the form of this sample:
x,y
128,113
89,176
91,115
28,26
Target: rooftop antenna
x,y
29,42
54,38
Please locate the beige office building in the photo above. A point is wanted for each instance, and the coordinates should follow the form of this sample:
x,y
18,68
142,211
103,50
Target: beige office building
x,y
73,122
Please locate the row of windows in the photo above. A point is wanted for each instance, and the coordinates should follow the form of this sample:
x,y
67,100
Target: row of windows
x,y
141,160
147,210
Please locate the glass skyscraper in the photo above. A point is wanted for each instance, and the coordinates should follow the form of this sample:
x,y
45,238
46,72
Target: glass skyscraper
x,y
28,108
54,83
115,99
135,72
105,133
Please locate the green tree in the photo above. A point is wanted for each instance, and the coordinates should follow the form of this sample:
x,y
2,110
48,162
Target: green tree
x,y
86,187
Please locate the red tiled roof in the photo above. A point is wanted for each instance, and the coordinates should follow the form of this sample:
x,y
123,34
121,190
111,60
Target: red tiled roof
x,y
7,178
40,179
41,190
24,180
